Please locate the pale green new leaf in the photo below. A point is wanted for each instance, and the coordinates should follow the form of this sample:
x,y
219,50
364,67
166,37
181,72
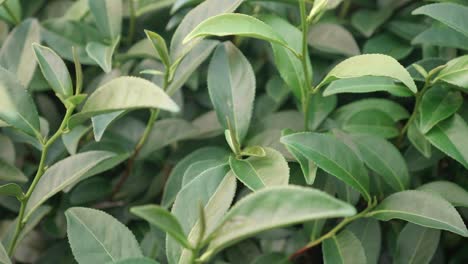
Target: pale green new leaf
x,y
236,24
135,261
16,53
450,137
453,15
203,11
54,70
63,174
17,107
386,160
450,191
333,156
417,207
96,237
231,84
455,73
159,44
164,220
344,248
261,172
108,16
271,208
416,244
437,104
124,93
371,65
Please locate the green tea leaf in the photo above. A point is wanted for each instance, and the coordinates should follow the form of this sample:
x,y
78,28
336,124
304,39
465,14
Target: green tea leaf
x,y
72,138
261,172
387,161
191,61
54,70
371,122
332,156
63,174
366,84
33,221
16,53
108,16
416,244
368,231
95,236
371,65
449,136
450,191
388,44
343,248
102,53
231,84
16,11
418,140
8,172
214,192
164,220
17,108
124,93
368,21
12,189
332,38
392,109
421,211
289,66
4,259
174,182
437,104
279,206
453,15
441,35
135,261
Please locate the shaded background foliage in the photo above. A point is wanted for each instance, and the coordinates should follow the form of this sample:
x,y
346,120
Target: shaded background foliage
x,y
218,107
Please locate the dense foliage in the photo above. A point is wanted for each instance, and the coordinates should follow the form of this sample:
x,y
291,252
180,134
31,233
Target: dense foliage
x,y
233,131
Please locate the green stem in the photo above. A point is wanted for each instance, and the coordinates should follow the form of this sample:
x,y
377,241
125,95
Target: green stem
x,y
304,58
414,114
131,30
345,8
12,15
40,171
335,230
144,137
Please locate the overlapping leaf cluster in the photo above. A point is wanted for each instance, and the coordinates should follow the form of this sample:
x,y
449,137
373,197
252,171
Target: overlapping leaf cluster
x,y
233,131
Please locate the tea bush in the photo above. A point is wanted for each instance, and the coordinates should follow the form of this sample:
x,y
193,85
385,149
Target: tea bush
x,y
233,131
